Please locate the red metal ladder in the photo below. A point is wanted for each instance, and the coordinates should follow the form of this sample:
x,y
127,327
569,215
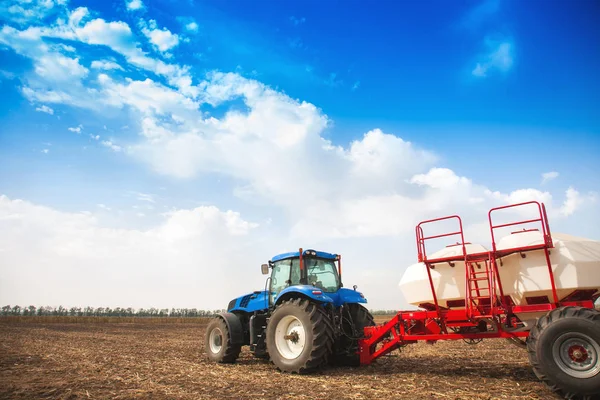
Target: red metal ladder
x,y
480,287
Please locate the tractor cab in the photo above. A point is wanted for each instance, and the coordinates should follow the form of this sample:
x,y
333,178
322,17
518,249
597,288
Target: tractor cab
x,y
316,269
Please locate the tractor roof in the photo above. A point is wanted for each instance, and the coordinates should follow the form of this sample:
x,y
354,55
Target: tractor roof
x,y
308,252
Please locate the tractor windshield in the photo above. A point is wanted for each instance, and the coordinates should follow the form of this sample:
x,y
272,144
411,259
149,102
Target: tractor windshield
x,y
322,274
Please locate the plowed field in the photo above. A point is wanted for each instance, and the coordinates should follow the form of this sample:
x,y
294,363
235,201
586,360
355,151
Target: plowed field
x,y
166,361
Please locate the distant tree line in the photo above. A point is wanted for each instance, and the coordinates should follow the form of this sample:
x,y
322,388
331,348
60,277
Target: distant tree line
x,y
105,312
122,312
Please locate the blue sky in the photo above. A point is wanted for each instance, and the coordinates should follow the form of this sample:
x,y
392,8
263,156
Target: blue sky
x,y
313,122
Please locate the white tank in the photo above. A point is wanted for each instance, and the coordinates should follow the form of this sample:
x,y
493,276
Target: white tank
x,y
575,263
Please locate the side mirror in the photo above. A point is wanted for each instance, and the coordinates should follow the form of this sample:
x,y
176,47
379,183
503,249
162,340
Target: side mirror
x,y
264,269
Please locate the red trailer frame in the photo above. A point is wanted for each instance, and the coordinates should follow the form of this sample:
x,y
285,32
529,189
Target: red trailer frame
x,y
486,312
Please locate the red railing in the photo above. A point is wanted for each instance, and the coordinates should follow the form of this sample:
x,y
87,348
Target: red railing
x,y
421,248
543,220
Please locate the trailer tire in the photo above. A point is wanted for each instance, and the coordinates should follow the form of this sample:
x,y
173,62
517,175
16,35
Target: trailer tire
x,y
217,342
564,351
352,330
299,336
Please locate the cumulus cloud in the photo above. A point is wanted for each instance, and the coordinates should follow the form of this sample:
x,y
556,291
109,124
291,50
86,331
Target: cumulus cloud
x,y
192,27
162,39
133,5
75,260
76,129
116,35
45,109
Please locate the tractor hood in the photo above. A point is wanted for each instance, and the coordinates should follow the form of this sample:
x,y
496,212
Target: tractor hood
x,y
256,301
338,298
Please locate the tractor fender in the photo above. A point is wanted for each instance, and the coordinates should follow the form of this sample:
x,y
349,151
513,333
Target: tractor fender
x,y
307,291
236,332
350,296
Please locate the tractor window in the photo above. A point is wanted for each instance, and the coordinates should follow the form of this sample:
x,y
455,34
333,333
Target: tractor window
x,y
322,274
295,275
280,278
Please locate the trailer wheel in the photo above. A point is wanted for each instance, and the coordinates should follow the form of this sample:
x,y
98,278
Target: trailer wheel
x,y
564,350
299,336
217,343
355,319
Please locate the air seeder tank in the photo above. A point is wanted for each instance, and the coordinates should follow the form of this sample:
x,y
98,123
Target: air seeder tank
x,y
524,276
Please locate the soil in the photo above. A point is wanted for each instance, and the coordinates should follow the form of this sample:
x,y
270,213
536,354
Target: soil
x,y
167,361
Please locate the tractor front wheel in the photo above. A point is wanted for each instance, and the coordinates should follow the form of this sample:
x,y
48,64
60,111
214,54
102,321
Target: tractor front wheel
x,y
217,342
564,350
299,336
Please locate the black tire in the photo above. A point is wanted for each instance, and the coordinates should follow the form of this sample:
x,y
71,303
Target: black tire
x,y
221,350
564,351
318,336
355,319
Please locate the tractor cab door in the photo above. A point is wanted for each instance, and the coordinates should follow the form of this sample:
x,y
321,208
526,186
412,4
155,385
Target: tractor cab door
x,y
285,273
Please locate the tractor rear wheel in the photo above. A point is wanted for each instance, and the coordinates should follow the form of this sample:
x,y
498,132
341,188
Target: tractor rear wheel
x,y
355,319
564,350
217,342
299,336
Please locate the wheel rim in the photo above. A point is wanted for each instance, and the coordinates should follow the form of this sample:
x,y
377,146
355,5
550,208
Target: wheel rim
x,y
576,354
215,340
290,337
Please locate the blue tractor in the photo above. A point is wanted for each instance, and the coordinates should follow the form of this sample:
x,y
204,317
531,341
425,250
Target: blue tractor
x,y
303,321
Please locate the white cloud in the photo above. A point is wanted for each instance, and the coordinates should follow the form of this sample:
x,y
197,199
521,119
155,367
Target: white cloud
x,y
57,67
29,11
572,202
106,65
440,178
133,5
72,258
46,151
76,129
111,145
162,39
45,109
192,27
548,176
77,15
499,57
